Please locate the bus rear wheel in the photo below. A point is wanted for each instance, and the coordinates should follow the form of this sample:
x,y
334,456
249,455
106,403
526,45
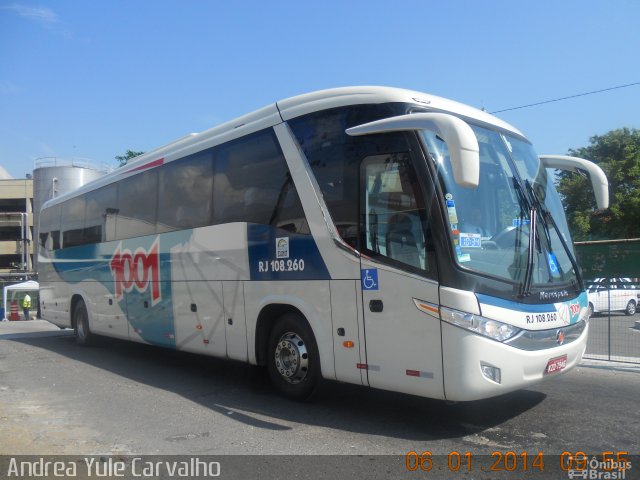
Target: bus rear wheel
x,y
292,357
81,324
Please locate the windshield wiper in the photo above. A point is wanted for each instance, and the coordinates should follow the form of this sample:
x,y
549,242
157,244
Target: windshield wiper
x,y
547,219
525,286
525,290
537,205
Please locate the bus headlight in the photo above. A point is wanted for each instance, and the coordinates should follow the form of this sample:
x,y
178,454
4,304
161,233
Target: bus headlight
x,y
484,326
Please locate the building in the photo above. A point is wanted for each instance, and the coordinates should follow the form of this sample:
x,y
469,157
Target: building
x,y
16,227
20,202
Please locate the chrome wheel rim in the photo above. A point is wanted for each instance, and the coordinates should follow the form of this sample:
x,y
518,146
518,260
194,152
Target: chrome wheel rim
x,y
292,358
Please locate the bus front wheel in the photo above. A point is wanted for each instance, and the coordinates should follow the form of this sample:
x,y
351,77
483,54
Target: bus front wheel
x,y
293,360
81,324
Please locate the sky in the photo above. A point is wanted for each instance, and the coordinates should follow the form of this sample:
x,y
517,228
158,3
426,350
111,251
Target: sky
x,y
92,79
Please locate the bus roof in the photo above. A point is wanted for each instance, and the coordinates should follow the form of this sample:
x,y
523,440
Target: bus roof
x,y
337,97
284,110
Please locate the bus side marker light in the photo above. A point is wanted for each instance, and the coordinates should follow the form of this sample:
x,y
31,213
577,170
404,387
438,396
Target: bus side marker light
x,y
418,373
198,327
428,308
205,341
366,366
348,344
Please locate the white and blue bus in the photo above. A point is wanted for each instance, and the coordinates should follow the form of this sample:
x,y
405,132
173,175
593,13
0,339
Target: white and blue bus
x,y
369,235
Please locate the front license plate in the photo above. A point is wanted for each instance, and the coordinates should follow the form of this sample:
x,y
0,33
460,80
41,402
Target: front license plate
x,y
556,364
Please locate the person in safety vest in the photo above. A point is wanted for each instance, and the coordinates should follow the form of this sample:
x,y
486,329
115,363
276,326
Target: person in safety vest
x,y
26,306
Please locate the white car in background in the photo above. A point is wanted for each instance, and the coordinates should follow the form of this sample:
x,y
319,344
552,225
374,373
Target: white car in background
x,y
625,295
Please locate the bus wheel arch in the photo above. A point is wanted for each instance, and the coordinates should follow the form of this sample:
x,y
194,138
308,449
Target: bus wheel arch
x,y
80,320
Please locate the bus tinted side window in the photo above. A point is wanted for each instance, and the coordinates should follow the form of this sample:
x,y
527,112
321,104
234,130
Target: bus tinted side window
x,y
185,193
137,204
289,214
73,222
252,184
45,227
98,221
50,228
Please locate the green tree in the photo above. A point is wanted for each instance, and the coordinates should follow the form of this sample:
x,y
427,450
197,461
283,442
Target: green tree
x,y
618,154
124,159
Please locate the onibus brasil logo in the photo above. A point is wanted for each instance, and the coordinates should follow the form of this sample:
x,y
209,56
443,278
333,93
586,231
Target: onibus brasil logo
x,y
136,270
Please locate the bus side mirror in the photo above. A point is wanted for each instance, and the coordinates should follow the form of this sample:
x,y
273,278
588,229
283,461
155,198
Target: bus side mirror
x,y
574,164
460,139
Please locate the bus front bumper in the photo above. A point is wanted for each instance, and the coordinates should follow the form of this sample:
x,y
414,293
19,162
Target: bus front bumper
x,y
471,359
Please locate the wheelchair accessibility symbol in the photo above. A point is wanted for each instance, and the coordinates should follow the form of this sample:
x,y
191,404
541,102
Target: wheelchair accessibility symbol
x,y
369,278
552,261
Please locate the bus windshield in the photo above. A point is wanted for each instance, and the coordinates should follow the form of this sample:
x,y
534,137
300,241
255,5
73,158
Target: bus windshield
x,y
490,226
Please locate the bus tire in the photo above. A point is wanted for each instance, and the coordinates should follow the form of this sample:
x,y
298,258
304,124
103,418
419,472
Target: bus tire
x,y
292,357
81,325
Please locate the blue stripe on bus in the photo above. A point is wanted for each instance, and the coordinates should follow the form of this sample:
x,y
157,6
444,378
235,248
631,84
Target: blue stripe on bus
x,y
76,264
521,307
154,323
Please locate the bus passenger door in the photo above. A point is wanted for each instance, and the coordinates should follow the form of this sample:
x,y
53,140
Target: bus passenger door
x,y
398,279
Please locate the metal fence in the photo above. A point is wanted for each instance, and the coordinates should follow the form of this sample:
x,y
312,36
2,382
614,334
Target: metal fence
x,y
614,328
612,270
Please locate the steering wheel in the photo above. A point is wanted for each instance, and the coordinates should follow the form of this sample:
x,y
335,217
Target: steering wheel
x,y
506,238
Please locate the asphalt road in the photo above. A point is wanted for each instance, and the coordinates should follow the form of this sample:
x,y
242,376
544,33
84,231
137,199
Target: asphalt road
x,y
124,398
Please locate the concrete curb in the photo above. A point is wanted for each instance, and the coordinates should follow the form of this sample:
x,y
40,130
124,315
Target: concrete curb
x,y
610,365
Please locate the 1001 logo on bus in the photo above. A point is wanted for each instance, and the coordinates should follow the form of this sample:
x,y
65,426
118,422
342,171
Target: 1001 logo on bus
x,y
136,270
